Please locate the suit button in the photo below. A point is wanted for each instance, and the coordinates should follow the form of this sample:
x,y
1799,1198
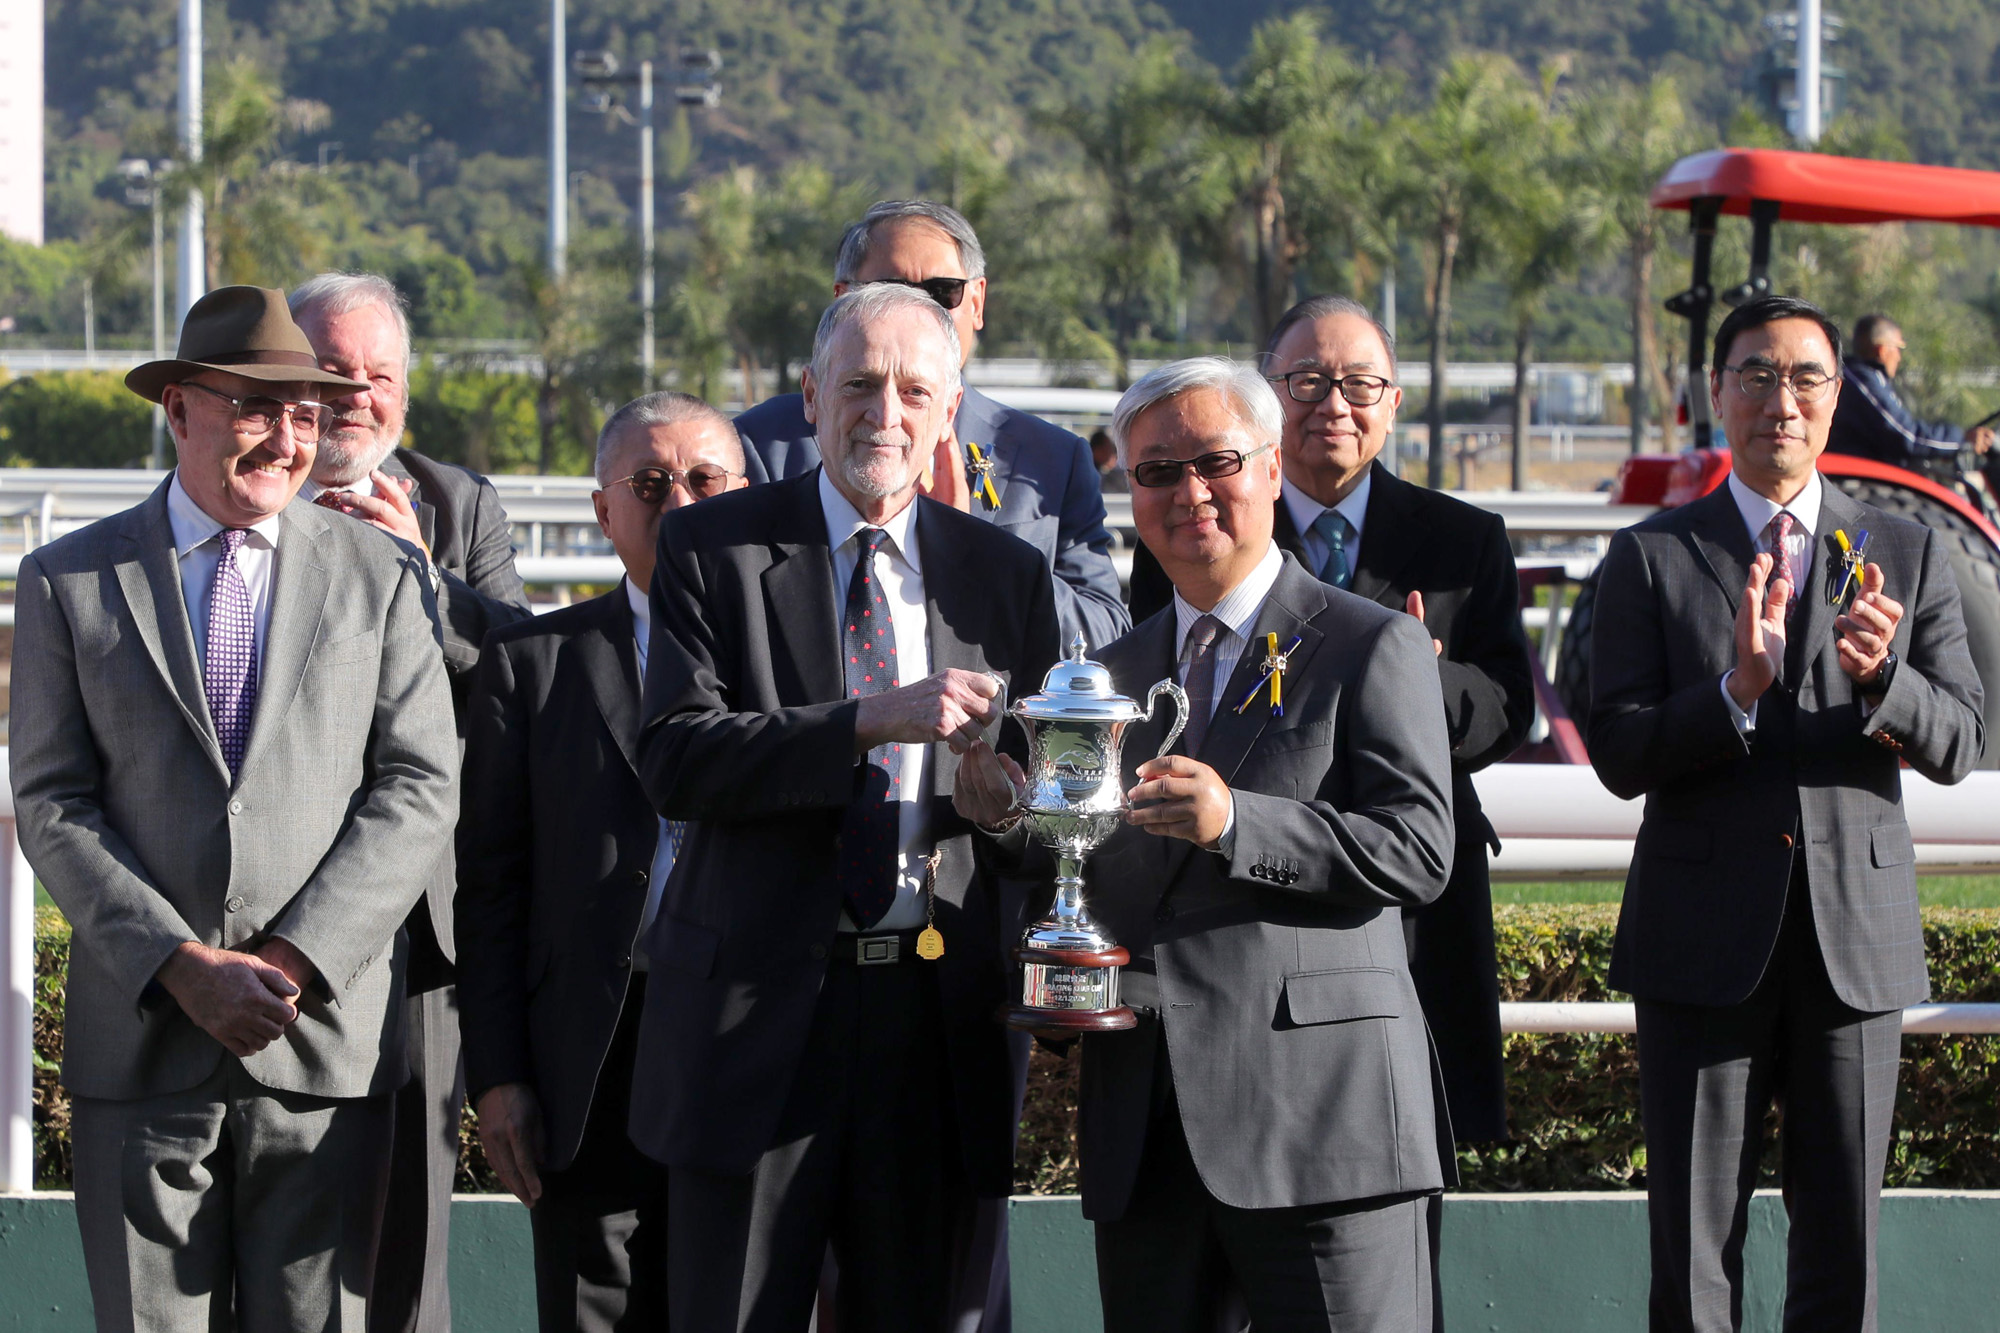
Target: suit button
x,y
1163,913
818,951
236,807
626,961
237,902
641,878
1787,838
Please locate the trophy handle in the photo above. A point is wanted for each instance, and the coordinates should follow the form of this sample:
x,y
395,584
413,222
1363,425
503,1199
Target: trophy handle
x,y
1179,696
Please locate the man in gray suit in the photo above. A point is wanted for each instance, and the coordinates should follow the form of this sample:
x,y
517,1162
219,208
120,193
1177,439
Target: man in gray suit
x,y
1270,1124
234,768
1013,469
558,843
1761,689
359,329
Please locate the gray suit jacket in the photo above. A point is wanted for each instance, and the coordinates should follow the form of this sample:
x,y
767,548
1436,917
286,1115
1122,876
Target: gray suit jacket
x,y
747,731
1049,493
1277,974
345,800
1726,818
554,853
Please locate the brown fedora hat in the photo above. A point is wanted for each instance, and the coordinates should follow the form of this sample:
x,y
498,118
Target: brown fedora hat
x,y
245,331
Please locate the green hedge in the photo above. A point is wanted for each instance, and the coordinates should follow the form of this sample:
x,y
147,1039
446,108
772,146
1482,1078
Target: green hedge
x,y
1573,1101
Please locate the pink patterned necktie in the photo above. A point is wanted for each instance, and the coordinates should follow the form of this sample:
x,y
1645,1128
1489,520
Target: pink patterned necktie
x,y
229,671
1783,565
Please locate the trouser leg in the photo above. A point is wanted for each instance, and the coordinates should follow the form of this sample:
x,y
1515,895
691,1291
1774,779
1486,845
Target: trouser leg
x,y
1161,1267
1362,1266
413,1281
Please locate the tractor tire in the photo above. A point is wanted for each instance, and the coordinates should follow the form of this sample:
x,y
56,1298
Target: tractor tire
x,y
1572,680
1975,561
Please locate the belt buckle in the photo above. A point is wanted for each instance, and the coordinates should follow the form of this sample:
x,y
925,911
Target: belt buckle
x,y
872,951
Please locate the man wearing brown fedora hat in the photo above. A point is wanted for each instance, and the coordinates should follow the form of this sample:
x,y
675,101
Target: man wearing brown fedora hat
x,y
235,783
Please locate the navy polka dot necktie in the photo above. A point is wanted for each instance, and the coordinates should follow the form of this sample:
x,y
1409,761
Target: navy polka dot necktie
x,y
865,865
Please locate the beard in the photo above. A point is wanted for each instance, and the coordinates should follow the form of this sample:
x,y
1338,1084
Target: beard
x,y
354,447
873,474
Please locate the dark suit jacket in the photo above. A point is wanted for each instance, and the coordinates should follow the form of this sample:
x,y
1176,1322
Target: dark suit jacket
x,y
1276,975
1048,487
478,590
1458,556
746,730
1725,819
554,851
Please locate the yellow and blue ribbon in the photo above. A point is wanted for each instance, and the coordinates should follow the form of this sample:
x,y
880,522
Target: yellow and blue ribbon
x,y
981,467
1852,556
1275,665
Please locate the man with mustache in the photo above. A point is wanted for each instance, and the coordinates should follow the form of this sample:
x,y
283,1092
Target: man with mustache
x,y
359,329
1763,661
805,1071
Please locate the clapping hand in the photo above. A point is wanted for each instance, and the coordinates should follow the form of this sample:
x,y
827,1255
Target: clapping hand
x,y
1760,634
1868,628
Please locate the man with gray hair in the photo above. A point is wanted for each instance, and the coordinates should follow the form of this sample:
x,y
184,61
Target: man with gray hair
x,y
1012,469
558,842
1269,1125
818,1060
358,328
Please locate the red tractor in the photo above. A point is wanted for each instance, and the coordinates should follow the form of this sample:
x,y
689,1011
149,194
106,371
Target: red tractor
x,y
1765,184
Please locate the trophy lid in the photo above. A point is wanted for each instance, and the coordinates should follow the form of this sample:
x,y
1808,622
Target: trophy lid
x,y
1078,690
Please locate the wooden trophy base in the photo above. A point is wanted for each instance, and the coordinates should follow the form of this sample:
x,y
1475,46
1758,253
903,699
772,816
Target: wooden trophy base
x,y
1057,1023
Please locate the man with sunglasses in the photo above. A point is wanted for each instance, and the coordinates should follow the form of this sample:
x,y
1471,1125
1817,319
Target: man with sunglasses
x,y
235,769
558,842
1269,1125
359,329
1764,660
1016,471
1358,526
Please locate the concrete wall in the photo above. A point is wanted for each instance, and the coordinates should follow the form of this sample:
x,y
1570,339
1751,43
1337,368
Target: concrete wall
x,y
1523,1263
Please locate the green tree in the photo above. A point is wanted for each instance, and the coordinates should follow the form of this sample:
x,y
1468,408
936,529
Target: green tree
x,y
73,418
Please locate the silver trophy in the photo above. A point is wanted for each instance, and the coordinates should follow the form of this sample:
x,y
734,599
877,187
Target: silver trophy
x,y
1075,800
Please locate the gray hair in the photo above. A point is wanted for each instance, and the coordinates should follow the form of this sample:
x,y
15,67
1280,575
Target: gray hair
x,y
666,408
877,300
854,245
332,294
1256,405
1325,307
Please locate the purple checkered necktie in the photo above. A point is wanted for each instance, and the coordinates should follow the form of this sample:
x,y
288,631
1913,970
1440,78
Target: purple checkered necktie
x,y
229,672
1783,566
865,864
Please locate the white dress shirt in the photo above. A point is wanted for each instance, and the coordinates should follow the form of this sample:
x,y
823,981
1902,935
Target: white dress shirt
x,y
1238,611
1305,511
899,572
199,550
664,849
312,490
1757,515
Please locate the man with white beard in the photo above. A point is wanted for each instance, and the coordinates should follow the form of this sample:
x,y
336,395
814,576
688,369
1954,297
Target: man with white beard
x,y
356,322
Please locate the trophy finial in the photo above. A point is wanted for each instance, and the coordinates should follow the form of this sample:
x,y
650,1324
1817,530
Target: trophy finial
x,y
1077,647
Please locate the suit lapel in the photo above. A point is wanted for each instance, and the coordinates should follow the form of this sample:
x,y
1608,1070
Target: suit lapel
x,y
611,664
1722,542
1286,534
953,600
1389,541
798,600
298,601
978,422
150,578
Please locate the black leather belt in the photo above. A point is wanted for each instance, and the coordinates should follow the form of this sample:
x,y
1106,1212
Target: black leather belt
x,y
875,949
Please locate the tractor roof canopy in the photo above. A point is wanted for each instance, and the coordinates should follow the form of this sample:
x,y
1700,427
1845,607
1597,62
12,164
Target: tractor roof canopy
x,y
1813,187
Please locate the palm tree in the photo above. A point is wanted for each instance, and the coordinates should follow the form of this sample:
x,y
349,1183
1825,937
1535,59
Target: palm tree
x,y
1464,158
1626,139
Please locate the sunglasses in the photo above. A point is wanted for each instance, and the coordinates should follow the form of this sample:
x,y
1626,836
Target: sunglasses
x,y
1160,472
653,484
947,292
259,415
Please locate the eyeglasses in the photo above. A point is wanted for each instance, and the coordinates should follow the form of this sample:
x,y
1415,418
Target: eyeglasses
x,y
259,414
1313,386
653,484
1159,472
947,292
1760,382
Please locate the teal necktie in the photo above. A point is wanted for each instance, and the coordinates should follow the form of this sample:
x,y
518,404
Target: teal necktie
x,y
1334,531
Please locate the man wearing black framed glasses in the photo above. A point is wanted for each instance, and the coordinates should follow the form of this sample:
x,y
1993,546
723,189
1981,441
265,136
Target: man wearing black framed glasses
x,y
1014,470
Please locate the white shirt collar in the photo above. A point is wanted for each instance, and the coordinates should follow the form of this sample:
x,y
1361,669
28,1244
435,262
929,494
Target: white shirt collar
x,y
312,490
1239,606
1758,512
843,521
1353,507
191,524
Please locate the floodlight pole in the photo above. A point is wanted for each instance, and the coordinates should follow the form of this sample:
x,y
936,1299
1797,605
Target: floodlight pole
x,y
558,140
1808,72
192,270
159,454
646,220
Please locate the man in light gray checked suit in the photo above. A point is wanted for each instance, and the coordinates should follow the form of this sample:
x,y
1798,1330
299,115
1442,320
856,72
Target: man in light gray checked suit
x,y
1762,694
235,784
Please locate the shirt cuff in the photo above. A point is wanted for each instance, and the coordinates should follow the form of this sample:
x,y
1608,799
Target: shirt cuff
x,y
1746,722
1225,845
